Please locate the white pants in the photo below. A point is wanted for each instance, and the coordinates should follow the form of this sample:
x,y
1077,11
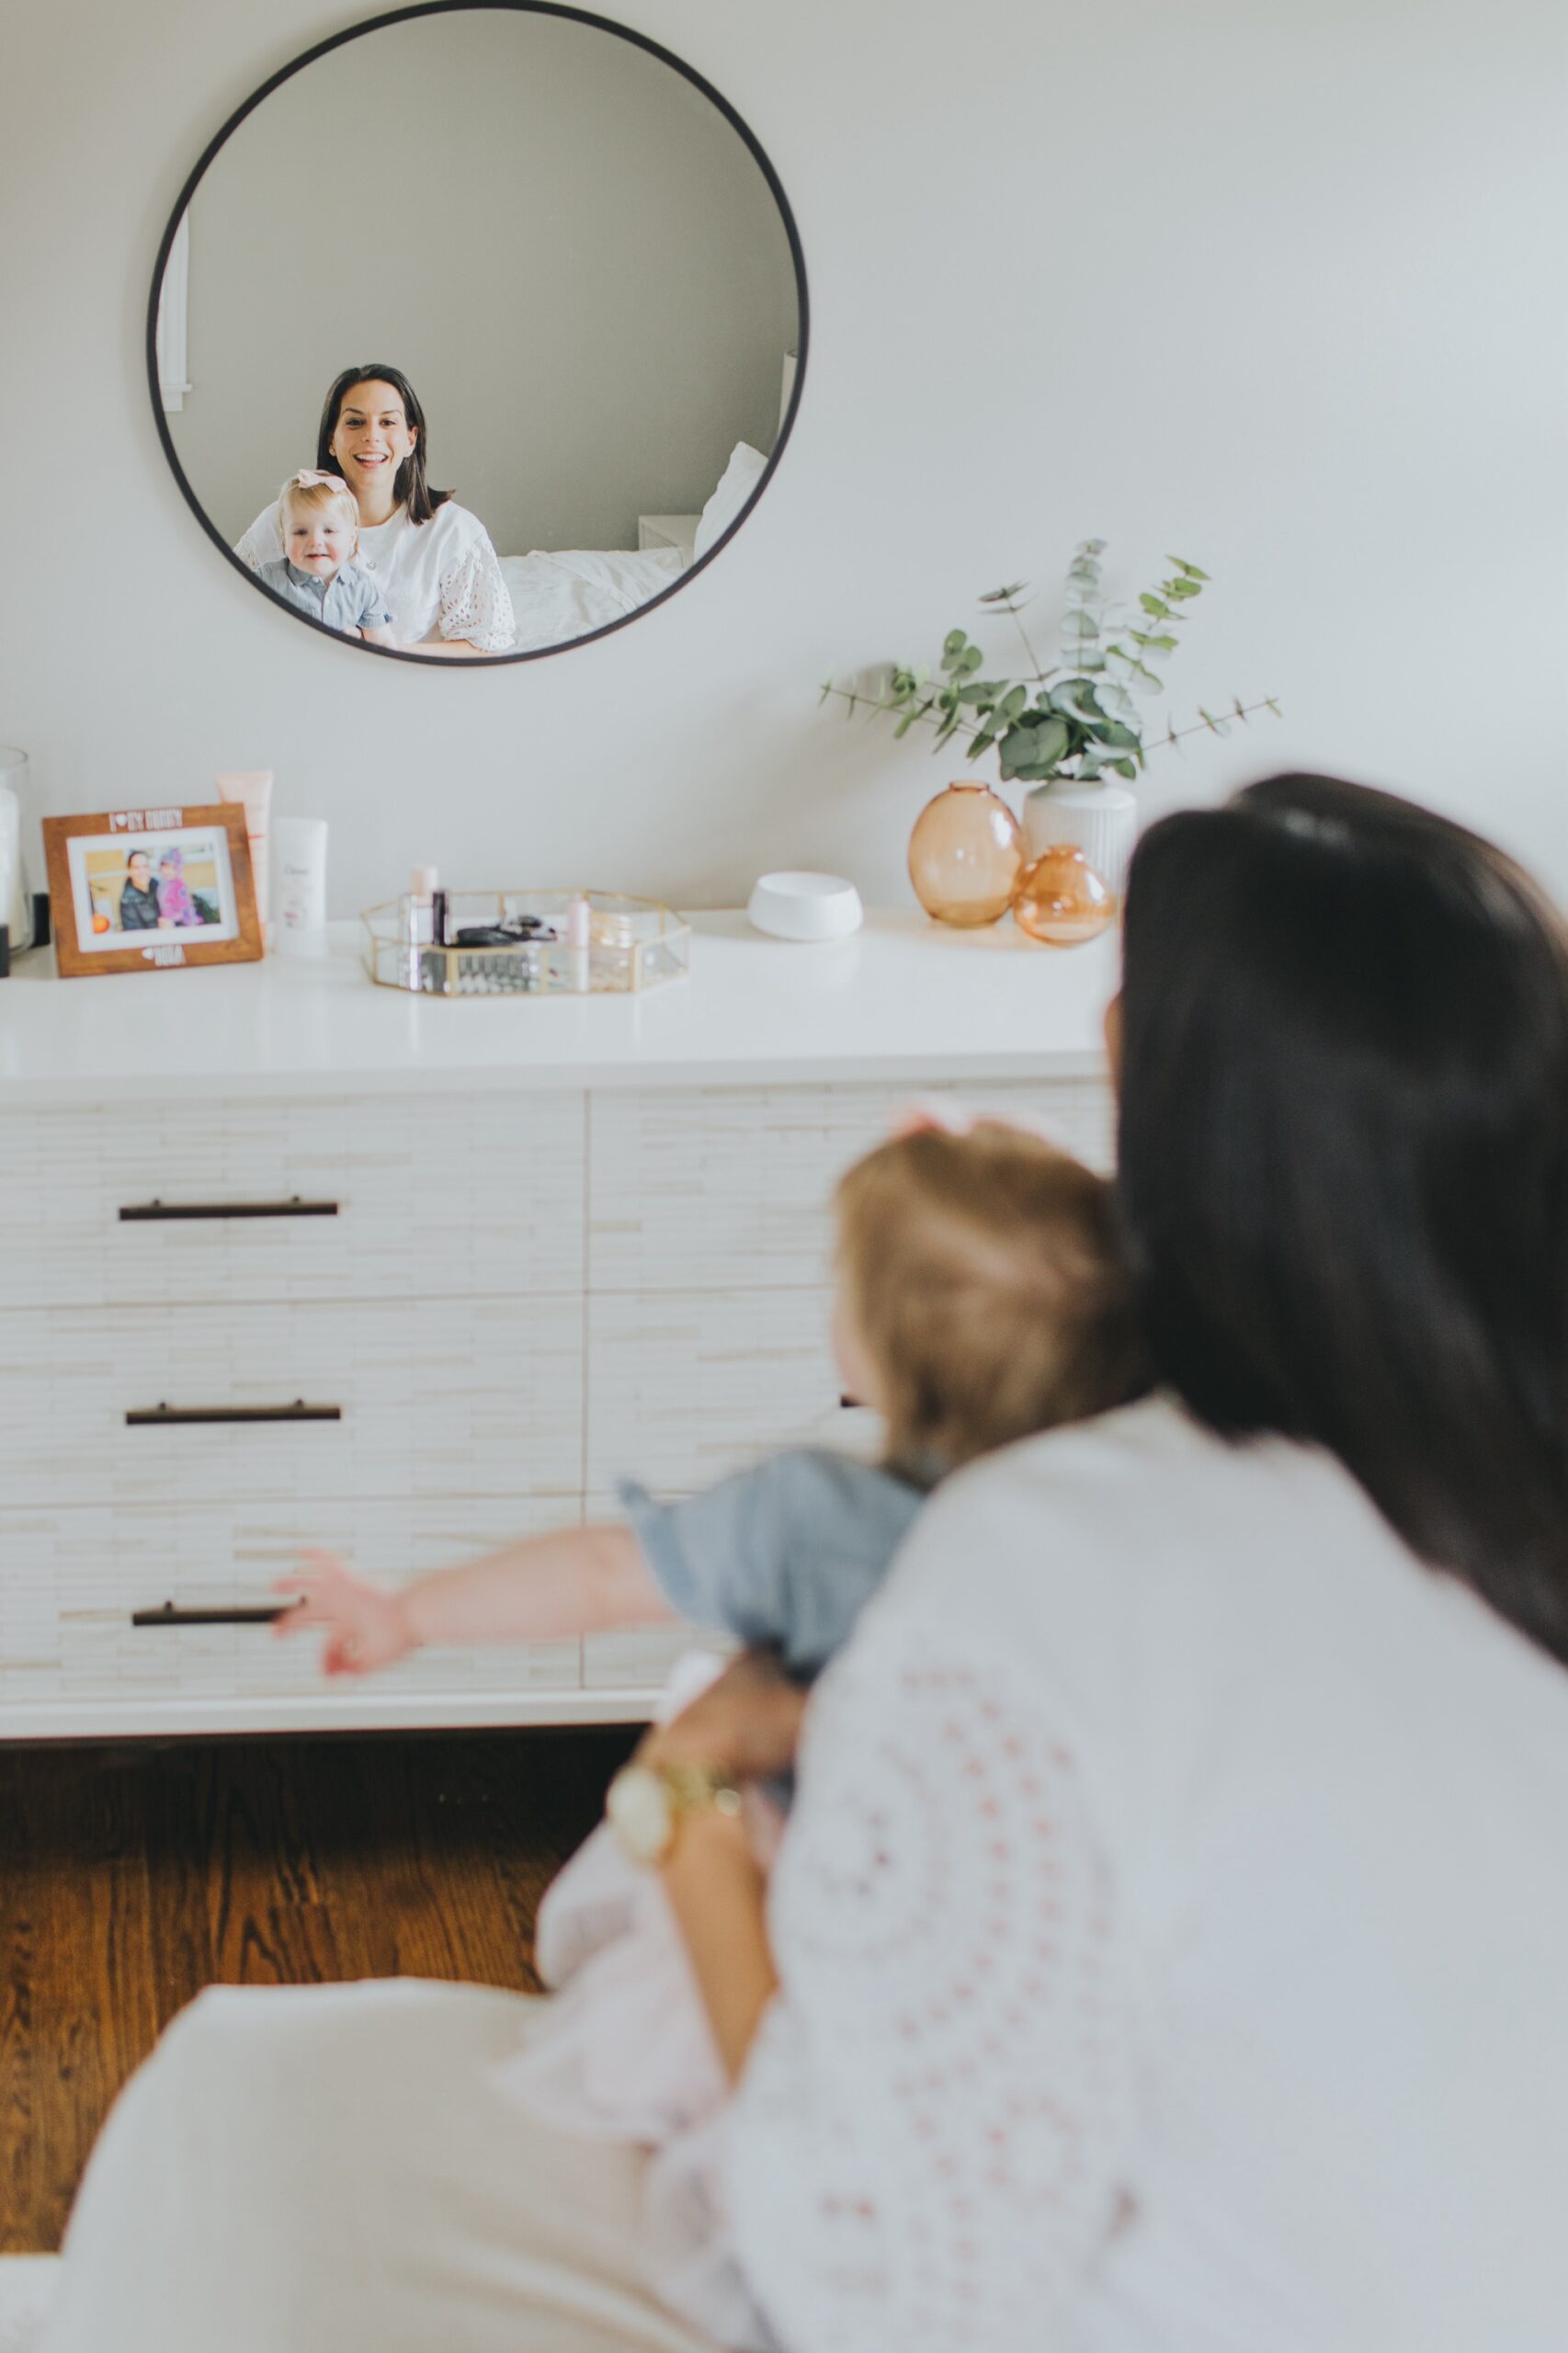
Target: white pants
x,y
333,2169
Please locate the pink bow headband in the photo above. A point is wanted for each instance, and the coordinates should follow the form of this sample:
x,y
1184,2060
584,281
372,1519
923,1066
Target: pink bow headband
x,y
308,478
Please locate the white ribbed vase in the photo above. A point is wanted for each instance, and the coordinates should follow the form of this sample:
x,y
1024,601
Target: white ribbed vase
x,y
1100,819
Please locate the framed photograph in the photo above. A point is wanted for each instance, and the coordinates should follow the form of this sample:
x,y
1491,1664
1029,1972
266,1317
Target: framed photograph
x,y
145,890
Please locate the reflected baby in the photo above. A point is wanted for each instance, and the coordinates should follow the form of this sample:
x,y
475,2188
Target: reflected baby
x,y
319,573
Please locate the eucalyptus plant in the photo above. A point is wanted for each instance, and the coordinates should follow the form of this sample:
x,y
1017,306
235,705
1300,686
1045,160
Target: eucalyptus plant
x,y
1075,719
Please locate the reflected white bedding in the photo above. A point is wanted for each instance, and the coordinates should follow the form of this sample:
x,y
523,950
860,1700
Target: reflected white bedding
x,y
564,593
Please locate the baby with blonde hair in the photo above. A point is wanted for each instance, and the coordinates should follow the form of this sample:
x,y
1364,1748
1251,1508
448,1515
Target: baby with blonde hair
x,y
981,1280
319,572
980,1298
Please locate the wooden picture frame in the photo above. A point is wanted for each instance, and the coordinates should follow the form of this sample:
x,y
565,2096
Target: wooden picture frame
x,y
194,897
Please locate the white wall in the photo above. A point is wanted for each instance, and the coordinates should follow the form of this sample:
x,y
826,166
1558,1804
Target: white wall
x,y
1275,284
562,242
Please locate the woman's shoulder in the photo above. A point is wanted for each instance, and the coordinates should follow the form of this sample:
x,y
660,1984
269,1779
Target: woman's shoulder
x,y
1139,1527
1129,1467
1156,1589
456,527
1112,1474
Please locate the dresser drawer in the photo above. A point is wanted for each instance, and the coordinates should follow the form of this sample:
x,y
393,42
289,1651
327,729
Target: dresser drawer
x,y
185,1200
640,1657
451,1396
684,1387
69,1580
708,1187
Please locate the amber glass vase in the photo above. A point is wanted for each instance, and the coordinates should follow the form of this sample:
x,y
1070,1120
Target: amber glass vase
x,y
1061,901
965,855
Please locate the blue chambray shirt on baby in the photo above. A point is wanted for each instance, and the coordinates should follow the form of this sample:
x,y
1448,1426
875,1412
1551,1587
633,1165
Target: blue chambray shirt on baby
x,y
350,599
785,1555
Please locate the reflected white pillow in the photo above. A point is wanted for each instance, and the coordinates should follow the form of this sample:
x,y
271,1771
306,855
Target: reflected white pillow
x,y
739,479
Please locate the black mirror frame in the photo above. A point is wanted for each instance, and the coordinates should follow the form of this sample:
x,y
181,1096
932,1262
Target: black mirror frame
x,y
356,32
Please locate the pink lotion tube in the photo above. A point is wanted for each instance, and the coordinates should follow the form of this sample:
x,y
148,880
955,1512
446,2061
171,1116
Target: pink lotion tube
x,y
252,788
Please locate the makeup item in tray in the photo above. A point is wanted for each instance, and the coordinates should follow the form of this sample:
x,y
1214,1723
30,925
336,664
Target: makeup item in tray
x,y
522,943
513,933
579,934
421,919
511,975
518,971
613,936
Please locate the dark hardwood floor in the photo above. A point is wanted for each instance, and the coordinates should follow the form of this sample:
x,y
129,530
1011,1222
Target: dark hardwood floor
x,y
130,1877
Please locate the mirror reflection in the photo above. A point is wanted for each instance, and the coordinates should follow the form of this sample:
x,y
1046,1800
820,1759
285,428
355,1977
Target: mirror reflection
x,y
476,333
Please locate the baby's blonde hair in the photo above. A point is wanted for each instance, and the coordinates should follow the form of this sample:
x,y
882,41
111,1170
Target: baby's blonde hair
x,y
311,495
983,1278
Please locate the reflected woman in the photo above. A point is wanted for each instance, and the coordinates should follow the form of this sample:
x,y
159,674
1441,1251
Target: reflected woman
x,y
431,559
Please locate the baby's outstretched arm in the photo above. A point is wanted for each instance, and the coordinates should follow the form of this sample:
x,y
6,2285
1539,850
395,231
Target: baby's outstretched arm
x,y
574,1581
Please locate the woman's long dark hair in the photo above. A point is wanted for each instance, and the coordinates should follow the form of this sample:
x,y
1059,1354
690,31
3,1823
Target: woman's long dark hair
x,y
1344,1162
410,486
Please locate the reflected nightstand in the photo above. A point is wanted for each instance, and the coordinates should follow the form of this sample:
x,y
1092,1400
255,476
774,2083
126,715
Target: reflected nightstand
x,y
668,532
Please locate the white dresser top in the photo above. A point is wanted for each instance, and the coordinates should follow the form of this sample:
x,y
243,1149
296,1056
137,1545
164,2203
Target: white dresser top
x,y
904,998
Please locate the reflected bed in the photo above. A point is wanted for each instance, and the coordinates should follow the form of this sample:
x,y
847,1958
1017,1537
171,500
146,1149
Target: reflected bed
x,y
564,593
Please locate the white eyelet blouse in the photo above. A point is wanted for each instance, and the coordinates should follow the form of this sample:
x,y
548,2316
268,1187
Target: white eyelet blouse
x,y
441,579
1173,1934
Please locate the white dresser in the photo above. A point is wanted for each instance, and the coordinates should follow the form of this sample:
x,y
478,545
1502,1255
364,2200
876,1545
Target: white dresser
x,y
289,1259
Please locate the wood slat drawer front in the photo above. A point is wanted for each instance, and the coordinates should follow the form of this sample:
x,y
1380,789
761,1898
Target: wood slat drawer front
x,y
464,1193
713,1186
437,1397
684,1387
640,1658
70,1579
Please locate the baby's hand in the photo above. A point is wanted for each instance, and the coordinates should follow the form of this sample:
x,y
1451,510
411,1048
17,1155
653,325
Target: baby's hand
x,y
366,1629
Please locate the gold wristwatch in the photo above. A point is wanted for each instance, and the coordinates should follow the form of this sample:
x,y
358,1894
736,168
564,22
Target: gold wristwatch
x,y
647,1803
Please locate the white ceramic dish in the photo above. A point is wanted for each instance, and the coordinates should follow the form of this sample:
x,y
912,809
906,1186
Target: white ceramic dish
x,y
806,906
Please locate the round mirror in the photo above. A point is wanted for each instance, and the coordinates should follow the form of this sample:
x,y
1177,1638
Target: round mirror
x,y
477,330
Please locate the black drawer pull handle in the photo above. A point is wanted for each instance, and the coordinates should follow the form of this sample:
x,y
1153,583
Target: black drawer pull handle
x,y
160,1416
161,1212
853,1403
169,1616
